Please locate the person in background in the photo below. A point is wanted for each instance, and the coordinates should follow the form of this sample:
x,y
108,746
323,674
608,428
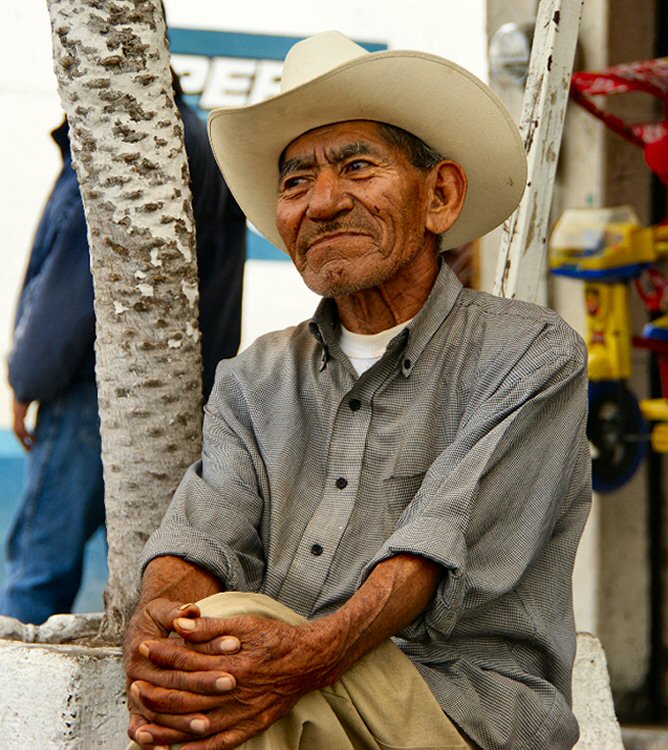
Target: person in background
x,y
52,364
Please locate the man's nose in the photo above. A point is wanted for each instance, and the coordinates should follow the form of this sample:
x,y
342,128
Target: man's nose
x,y
327,197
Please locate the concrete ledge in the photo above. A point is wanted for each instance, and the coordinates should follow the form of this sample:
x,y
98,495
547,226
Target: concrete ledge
x,y
61,697
57,629
71,697
592,699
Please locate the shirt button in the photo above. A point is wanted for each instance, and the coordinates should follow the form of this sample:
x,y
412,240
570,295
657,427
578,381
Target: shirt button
x,y
341,483
407,364
316,550
354,404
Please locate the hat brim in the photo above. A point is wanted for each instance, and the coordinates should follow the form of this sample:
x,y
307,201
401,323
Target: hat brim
x,y
433,98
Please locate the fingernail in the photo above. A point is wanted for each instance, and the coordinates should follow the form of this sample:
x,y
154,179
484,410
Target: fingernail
x,y
184,607
144,650
223,684
144,737
184,623
199,726
229,644
134,689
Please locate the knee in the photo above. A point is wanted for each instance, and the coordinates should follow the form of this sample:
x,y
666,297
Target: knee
x,y
242,603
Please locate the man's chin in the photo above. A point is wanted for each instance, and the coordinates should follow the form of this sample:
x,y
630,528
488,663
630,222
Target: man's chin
x,y
335,286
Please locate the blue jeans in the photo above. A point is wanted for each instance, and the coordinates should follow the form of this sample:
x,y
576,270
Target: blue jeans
x,y
61,508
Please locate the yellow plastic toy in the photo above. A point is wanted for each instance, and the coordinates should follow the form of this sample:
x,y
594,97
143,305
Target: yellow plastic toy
x,y
607,249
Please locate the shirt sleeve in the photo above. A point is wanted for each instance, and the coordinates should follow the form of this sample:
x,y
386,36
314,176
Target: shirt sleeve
x,y
491,501
215,516
55,329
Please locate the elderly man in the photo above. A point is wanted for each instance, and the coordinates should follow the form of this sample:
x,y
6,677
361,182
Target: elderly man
x,y
391,495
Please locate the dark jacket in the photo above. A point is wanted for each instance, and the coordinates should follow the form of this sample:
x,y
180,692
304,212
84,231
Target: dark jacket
x,y
54,331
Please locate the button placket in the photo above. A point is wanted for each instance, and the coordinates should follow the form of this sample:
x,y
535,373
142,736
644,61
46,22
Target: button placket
x,y
324,531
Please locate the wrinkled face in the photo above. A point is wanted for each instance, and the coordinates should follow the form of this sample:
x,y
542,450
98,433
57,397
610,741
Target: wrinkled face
x,y
351,208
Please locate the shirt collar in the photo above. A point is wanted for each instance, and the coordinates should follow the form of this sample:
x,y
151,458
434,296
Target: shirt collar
x,y
435,310
414,338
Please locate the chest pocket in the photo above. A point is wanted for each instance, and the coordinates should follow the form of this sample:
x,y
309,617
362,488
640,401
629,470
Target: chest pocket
x,y
404,480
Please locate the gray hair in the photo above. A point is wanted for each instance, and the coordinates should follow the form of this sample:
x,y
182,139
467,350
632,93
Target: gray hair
x,y
419,154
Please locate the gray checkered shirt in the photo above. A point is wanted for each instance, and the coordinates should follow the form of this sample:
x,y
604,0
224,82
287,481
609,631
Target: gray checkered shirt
x,y
465,444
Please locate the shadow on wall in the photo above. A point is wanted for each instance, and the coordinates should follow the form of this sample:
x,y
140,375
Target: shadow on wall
x,y
12,464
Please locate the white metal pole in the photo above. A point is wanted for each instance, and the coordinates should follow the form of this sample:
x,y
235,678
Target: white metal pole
x,y
522,255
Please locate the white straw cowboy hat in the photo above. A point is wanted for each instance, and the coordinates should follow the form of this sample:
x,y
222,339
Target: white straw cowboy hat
x,y
327,78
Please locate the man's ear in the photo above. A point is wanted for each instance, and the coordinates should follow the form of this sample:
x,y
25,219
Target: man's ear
x,y
448,185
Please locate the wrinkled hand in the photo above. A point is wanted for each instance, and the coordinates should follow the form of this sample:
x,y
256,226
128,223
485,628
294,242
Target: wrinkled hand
x,y
155,621
225,680
20,411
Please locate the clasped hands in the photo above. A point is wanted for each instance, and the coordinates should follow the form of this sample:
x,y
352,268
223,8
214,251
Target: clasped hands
x,y
215,683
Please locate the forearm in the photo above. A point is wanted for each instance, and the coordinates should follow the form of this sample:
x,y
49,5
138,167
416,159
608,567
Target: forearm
x,y
395,593
176,579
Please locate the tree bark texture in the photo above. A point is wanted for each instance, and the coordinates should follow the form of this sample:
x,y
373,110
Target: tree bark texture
x,y
112,64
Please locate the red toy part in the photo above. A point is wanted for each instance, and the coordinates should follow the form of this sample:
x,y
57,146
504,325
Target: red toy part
x,y
659,348
652,288
656,156
649,76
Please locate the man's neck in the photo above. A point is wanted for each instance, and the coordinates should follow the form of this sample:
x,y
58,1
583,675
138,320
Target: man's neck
x,y
393,302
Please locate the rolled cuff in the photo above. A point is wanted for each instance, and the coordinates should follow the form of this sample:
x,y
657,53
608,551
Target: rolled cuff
x,y
195,547
439,541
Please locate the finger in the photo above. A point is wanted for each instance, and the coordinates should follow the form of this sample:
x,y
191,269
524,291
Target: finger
x,y
149,622
224,645
168,728
169,655
157,737
26,438
139,667
229,738
137,721
210,682
163,700
163,612
249,716
137,731
145,729
207,629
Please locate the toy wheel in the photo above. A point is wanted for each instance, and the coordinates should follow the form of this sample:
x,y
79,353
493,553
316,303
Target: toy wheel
x,y
617,433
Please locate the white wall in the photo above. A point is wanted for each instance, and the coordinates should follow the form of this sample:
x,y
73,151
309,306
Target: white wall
x,y
275,296
30,161
450,28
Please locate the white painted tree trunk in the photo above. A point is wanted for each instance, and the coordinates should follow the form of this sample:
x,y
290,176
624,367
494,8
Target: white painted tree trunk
x,y
112,65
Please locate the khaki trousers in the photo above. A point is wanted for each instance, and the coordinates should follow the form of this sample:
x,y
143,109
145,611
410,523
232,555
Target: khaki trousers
x,y
382,703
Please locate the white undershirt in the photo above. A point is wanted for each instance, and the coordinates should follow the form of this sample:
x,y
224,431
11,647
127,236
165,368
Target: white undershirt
x,y
364,350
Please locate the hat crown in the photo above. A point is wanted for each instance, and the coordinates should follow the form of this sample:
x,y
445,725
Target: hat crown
x,y
317,55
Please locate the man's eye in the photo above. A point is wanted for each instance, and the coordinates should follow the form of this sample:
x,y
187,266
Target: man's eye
x,y
357,165
293,182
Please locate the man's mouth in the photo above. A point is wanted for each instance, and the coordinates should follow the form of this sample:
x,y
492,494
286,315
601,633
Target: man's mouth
x,y
333,236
